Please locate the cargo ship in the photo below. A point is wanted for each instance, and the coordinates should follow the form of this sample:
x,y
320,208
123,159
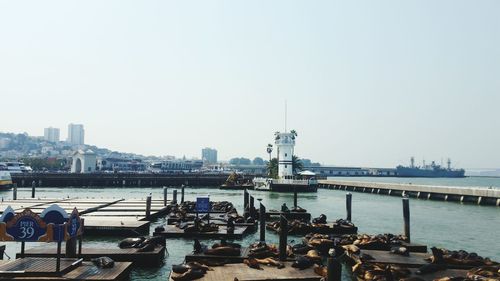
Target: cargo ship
x,y
429,171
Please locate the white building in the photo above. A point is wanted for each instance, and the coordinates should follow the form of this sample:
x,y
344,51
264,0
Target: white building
x,y
285,142
209,155
51,134
76,134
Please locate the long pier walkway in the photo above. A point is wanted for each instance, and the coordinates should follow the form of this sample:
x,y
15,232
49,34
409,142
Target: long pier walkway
x,y
477,195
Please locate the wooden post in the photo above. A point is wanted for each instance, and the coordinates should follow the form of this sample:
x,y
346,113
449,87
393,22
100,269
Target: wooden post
x,y
22,249
175,197
71,248
406,217
182,194
148,207
80,239
262,222
295,197
334,269
245,203
33,186
251,208
14,192
348,205
165,196
283,237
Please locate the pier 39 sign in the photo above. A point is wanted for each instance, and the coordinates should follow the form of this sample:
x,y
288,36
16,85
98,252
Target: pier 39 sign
x,y
52,225
202,204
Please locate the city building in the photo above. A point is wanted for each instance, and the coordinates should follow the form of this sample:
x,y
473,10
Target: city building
x,y
120,164
51,134
209,155
76,134
176,166
83,161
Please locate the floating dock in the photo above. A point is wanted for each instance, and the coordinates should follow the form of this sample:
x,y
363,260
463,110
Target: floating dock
x,y
227,259
476,195
172,231
303,216
242,272
102,216
152,258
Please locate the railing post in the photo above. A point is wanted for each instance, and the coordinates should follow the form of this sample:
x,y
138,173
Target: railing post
x,y
406,217
262,222
283,237
165,196
348,205
148,207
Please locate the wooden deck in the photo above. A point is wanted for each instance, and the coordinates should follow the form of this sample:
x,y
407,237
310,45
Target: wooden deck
x,y
289,215
228,259
85,272
152,258
102,216
413,260
171,231
242,272
36,267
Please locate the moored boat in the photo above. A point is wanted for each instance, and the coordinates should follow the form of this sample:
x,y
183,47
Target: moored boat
x,y
5,180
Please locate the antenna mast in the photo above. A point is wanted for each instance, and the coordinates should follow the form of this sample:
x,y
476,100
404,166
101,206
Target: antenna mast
x,y
285,115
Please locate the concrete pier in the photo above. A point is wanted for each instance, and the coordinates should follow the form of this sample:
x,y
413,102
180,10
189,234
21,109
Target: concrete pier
x,y
475,195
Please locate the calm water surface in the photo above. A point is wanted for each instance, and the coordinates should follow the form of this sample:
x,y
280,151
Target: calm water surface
x,y
442,224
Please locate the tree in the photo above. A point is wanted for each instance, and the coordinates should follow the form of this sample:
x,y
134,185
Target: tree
x,y
272,168
297,165
269,150
258,161
294,134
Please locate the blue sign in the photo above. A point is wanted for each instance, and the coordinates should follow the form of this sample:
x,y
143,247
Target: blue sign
x,y
74,224
28,226
202,204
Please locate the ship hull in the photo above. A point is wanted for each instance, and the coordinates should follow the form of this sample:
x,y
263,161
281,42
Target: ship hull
x,y
422,173
301,188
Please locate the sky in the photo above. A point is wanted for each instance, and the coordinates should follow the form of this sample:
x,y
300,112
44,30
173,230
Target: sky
x,y
367,83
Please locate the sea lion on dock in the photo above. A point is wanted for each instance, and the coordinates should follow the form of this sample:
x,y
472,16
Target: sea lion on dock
x,y
403,251
224,243
199,248
224,251
103,262
314,256
252,263
191,274
271,261
430,268
321,270
302,262
131,242
180,268
320,220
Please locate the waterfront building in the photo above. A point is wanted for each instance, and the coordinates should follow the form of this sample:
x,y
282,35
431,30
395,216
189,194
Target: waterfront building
x,y
76,134
176,166
120,164
51,134
209,155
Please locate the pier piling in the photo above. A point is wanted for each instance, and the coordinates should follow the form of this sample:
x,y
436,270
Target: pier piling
x,y
165,190
262,222
295,197
148,206
251,208
182,194
14,192
406,217
283,237
334,269
348,205
71,248
245,203
174,201
33,186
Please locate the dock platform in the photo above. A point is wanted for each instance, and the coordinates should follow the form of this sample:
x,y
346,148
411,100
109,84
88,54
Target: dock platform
x,y
303,216
171,231
242,272
227,259
133,255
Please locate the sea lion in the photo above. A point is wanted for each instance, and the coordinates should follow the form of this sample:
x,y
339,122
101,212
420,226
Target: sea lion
x,y
321,270
191,274
198,266
403,251
320,220
130,242
103,262
198,248
301,248
353,249
148,247
223,251
313,255
302,262
180,268
430,267
223,243
252,263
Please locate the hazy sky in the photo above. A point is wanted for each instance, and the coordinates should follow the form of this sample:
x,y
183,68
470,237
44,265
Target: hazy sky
x,y
368,83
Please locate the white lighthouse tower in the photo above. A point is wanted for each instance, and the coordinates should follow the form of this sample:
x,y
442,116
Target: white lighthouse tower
x,y
285,143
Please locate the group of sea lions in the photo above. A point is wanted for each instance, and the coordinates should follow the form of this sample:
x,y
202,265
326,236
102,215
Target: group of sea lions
x,y
144,244
189,271
198,226
319,225
223,248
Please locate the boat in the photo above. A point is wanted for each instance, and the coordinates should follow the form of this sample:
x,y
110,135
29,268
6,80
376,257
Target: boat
x,y
5,180
429,171
15,167
286,185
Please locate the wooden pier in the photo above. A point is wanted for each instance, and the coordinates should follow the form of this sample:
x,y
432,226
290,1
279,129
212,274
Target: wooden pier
x,y
476,195
242,272
303,216
102,216
227,259
172,231
152,258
